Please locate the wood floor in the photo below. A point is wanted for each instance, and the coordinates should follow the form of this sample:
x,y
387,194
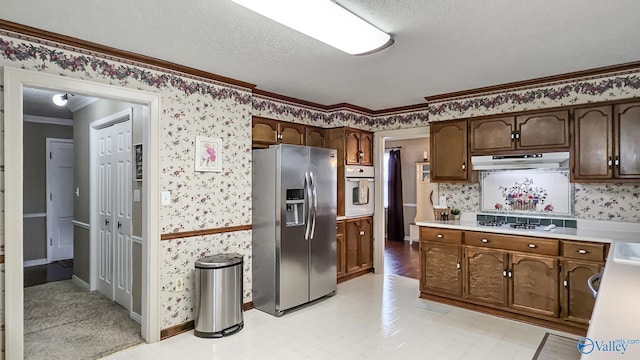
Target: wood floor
x,y
403,259
42,274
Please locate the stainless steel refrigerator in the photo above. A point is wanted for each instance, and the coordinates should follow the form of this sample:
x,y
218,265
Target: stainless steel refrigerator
x,y
294,226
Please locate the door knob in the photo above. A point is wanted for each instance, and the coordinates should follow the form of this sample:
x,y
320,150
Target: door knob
x,y
119,225
106,222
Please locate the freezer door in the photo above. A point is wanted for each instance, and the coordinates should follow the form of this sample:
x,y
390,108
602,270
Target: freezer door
x,y
292,267
323,171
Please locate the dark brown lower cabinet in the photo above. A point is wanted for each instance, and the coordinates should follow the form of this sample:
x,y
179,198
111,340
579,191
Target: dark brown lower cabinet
x,y
340,250
534,284
541,280
486,275
358,244
577,301
440,268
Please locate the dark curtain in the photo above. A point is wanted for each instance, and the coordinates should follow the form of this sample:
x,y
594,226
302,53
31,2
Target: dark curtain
x,y
395,227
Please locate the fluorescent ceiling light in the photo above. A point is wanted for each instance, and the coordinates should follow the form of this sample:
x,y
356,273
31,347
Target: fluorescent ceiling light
x,y
324,20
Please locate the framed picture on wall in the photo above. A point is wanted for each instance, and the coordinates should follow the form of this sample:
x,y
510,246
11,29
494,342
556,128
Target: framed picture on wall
x,y
138,161
208,154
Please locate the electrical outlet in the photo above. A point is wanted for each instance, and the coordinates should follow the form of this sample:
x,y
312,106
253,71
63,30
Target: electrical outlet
x,y
179,285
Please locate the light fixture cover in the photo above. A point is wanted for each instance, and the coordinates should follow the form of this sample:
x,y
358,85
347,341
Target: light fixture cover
x,y
324,20
60,99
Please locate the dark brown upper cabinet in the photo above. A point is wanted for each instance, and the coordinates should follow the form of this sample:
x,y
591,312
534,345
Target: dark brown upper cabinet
x,y
606,146
355,147
265,132
530,132
449,156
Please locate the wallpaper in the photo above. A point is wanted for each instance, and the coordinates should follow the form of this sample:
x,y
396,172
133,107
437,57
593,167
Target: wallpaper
x,y
624,85
616,202
179,262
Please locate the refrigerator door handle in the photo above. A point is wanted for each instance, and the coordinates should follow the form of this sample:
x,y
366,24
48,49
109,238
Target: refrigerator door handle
x,y
307,187
315,204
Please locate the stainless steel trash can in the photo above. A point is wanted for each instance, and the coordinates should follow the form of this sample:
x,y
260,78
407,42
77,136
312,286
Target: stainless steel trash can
x,y
218,302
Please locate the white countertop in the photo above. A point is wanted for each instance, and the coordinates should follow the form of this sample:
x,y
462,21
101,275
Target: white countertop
x,y
616,315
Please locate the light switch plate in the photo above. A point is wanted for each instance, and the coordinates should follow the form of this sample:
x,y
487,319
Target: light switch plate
x,y
165,198
136,195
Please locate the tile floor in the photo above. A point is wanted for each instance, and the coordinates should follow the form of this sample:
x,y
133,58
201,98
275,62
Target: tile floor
x,y
376,316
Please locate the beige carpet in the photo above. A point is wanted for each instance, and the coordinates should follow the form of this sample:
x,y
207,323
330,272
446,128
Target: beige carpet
x,y
556,347
62,321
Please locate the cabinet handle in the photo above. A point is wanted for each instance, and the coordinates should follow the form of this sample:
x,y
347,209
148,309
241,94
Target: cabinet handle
x,y
361,154
280,136
439,236
610,162
504,273
513,136
458,265
361,232
518,135
532,246
485,241
565,283
464,166
582,251
510,274
617,163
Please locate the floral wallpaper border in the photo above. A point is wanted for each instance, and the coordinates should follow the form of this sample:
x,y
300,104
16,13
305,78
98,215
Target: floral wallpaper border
x,y
621,85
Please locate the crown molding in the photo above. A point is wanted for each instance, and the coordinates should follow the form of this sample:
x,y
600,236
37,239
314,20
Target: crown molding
x,y
117,53
48,120
516,85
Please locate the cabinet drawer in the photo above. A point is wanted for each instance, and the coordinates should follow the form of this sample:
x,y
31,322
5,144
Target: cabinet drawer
x,y
511,242
441,235
584,251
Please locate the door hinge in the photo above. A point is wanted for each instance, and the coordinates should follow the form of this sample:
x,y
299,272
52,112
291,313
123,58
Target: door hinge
x,y
50,156
50,241
50,196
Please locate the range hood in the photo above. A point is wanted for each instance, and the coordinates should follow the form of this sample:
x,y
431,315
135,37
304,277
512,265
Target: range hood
x,y
524,161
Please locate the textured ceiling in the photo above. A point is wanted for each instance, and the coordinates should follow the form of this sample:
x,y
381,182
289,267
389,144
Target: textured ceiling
x,y
440,46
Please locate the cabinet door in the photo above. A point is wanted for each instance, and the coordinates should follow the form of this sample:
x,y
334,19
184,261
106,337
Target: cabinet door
x,y
441,268
340,249
264,131
366,243
593,146
352,147
534,284
485,278
491,135
627,133
314,136
543,131
352,246
366,147
449,151
291,133
577,301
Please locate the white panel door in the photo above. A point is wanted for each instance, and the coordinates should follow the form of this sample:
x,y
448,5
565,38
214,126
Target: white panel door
x,y
121,160
114,209
60,201
105,212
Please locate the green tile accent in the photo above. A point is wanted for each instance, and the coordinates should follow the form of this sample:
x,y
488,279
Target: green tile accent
x,y
511,220
571,224
545,222
557,222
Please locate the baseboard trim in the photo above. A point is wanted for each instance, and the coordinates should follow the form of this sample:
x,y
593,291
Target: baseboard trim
x,y
355,275
189,325
36,262
136,317
568,328
76,280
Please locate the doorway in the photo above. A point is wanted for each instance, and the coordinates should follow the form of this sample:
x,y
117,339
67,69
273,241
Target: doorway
x,y
59,174
14,82
397,257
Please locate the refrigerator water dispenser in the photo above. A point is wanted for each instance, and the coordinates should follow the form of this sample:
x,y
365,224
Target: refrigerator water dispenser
x,y
295,207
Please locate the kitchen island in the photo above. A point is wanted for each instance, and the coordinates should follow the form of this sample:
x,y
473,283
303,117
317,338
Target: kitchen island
x,y
616,314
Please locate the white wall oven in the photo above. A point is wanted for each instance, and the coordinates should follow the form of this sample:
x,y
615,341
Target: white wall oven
x,y
358,191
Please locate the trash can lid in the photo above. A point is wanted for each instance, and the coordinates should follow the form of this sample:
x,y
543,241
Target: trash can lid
x,y
219,261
